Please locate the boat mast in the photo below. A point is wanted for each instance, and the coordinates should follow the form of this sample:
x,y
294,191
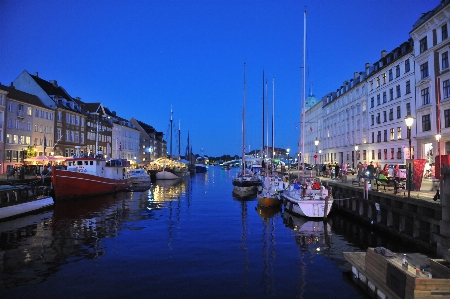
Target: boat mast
x,y
179,139
263,124
303,90
273,113
171,121
243,125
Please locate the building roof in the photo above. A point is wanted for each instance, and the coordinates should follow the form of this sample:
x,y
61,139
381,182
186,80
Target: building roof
x,y
21,96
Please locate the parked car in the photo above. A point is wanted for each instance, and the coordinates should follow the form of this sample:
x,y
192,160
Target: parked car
x,y
402,168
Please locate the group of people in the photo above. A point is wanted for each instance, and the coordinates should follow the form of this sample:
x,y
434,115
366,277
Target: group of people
x,y
372,171
334,171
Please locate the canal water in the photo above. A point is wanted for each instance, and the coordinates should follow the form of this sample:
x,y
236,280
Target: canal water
x,y
184,239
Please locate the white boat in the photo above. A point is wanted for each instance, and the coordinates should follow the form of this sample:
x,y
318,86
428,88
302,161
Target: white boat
x,y
139,176
166,175
308,198
20,200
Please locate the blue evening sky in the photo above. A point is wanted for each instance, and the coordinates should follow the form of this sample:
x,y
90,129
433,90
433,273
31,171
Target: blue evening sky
x,y
140,57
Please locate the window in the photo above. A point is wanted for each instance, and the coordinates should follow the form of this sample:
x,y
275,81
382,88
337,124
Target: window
x,y
426,123
444,31
446,88
379,154
29,111
407,66
397,71
392,153
391,94
447,118
390,75
384,116
67,120
408,87
384,97
391,131
424,70
397,90
391,114
372,102
378,81
399,132
384,78
59,116
444,57
378,99
423,44
36,128
408,108
373,119
425,96
373,137
378,118
385,135
379,136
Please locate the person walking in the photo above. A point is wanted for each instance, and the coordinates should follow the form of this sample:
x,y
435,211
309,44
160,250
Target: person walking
x,y
360,168
397,173
336,170
371,170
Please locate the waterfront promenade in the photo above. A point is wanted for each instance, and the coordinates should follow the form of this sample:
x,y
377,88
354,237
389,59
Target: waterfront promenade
x,y
427,189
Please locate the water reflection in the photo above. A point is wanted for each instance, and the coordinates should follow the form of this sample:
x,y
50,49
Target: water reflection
x,y
268,247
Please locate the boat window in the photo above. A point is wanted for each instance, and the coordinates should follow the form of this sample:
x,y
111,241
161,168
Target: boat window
x,y
92,162
86,162
79,162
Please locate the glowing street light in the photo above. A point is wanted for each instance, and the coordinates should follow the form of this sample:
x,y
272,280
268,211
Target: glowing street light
x,y
409,120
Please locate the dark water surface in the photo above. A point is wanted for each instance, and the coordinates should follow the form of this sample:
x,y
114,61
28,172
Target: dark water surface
x,y
189,239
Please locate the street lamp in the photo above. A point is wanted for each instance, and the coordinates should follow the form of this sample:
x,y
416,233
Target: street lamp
x,y
356,155
409,122
289,163
316,143
438,139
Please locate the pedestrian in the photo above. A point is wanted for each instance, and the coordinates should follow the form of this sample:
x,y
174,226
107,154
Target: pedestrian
x,y
385,170
330,170
397,173
344,172
377,169
371,170
360,168
336,170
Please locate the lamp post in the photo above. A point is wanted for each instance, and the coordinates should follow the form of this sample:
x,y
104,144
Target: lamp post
x,y
289,163
356,155
316,143
409,122
438,139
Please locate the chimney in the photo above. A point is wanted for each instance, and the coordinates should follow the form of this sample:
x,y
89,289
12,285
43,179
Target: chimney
x,y
345,83
383,53
355,75
54,83
113,113
367,65
36,74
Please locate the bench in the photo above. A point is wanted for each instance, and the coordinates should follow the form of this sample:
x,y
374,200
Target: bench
x,y
389,182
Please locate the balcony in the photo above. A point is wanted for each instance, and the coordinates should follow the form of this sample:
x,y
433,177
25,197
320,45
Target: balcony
x,y
20,113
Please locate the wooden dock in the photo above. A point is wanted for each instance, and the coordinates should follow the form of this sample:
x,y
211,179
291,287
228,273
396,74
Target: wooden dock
x,y
384,276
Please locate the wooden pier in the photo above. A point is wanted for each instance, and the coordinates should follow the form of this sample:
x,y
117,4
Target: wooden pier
x,y
385,277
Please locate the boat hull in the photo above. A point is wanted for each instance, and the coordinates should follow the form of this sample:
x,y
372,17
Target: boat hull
x,y
308,208
200,168
246,183
269,201
71,184
166,175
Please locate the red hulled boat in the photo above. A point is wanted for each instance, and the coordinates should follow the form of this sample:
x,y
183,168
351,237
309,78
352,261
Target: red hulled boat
x,y
88,176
